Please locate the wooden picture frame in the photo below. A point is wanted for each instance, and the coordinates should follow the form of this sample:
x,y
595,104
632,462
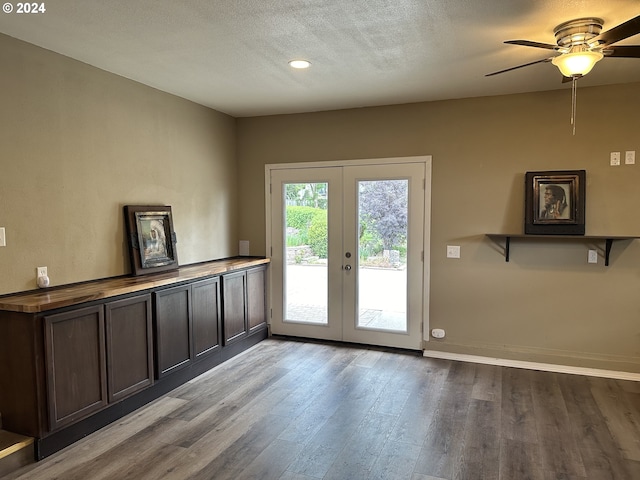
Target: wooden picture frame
x,y
151,239
555,202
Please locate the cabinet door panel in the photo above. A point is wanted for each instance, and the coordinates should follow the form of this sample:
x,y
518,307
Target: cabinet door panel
x,y
76,368
206,316
173,329
234,307
129,346
256,307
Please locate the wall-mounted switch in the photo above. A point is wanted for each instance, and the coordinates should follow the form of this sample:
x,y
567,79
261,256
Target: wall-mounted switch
x,y
630,157
615,159
593,256
453,251
3,238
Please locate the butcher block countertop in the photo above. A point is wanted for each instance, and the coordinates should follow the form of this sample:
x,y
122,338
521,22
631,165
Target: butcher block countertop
x,y
57,297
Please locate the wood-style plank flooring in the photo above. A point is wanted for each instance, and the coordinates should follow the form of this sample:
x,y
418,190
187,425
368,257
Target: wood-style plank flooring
x,y
293,410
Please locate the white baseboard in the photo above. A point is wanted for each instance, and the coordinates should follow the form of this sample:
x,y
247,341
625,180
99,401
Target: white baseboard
x,y
545,367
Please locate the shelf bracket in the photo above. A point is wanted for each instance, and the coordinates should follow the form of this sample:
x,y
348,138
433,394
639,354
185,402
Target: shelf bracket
x,y
607,251
507,244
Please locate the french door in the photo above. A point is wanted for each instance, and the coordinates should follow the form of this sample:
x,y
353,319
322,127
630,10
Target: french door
x,y
347,252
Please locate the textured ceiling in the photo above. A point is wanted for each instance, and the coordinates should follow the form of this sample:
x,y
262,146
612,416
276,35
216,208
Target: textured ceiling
x,y
231,55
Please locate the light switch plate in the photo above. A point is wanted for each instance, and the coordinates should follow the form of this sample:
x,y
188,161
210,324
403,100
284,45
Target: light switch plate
x,y
3,238
453,251
615,159
630,157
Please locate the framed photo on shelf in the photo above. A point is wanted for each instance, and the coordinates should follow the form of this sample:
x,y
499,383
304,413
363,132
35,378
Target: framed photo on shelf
x,y
554,202
151,239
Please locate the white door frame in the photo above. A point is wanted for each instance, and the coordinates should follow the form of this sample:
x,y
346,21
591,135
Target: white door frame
x,y
426,159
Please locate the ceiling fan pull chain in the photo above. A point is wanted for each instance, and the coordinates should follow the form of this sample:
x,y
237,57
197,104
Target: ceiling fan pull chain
x,y
574,92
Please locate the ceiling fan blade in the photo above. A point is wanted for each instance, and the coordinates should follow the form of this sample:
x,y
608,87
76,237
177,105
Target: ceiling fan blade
x,y
623,51
528,43
544,60
622,31
566,79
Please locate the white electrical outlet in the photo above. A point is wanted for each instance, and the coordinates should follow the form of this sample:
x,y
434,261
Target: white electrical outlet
x,y
41,272
3,238
437,333
453,251
630,157
593,256
615,159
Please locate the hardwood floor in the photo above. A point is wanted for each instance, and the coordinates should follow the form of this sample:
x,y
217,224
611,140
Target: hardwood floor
x,y
292,411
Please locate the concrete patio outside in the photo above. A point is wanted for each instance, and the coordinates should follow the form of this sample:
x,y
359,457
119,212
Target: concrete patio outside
x,y
382,296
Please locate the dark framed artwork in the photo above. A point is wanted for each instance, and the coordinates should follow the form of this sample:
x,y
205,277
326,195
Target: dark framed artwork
x,y
554,202
151,239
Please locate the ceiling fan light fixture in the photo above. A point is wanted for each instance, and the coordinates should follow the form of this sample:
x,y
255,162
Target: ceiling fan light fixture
x,y
577,64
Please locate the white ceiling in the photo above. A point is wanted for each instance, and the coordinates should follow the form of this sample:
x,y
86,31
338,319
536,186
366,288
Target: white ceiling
x,y
231,55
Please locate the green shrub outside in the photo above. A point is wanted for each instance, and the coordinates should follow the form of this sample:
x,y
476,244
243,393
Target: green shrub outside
x,y
296,240
311,228
370,242
317,234
300,217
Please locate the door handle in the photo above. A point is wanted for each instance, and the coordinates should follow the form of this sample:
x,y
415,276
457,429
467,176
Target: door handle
x,y
347,267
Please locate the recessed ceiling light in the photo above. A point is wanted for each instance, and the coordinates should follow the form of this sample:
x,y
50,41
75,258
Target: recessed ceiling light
x,y
299,63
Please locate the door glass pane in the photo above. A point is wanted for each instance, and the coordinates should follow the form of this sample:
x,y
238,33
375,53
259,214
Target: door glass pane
x,y
305,272
382,254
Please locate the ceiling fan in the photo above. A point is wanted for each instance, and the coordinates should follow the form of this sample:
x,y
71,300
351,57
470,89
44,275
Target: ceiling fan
x,y
581,44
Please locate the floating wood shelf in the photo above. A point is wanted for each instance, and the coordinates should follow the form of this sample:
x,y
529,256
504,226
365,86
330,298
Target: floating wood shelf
x,y
607,239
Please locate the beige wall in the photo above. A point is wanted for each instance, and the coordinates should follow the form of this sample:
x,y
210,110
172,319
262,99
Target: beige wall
x,y
77,143
547,303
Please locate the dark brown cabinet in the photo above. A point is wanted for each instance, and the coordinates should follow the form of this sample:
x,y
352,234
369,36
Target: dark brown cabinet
x,y
205,297
76,364
75,358
243,297
234,312
173,329
95,356
187,324
256,299
129,346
